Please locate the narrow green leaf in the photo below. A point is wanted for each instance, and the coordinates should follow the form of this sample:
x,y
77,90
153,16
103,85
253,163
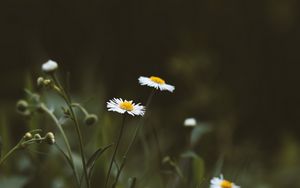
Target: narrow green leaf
x,y
198,166
65,156
91,162
198,170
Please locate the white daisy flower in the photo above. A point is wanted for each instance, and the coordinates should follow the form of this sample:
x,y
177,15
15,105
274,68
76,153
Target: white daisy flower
x,y
118,105
217,182
190,122
49,66
155,82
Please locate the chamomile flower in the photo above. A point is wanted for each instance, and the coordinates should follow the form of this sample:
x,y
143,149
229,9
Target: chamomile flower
x,y
156,82
217,182
49,66
122,106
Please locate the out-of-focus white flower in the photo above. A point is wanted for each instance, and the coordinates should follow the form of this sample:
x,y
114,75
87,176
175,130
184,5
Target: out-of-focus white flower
x,y
49,66
220,182
122,106
190,122
156,82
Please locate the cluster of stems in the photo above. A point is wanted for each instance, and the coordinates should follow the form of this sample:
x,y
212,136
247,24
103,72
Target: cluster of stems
x,y
73,117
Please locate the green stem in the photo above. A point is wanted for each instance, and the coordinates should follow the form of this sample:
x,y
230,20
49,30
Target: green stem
x,y
74,118
81,108
81,146
9,153
115,151
133,139
53,117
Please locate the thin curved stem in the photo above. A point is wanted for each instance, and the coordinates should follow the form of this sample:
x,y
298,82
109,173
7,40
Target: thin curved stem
x,y
68,101
61,130
115,151
6,156
81,108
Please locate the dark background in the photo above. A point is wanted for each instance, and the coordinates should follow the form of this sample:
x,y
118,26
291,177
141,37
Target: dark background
x,y
233,61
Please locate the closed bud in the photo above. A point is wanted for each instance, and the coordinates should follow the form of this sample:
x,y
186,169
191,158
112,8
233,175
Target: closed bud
x,y
47,82
50,138
28,136
22,106
40,81
90,119
38,138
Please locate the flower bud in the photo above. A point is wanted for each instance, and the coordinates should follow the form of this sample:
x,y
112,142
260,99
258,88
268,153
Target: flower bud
x,y
47,82
22,106
40,81
49,67
28,136
50,138
38,138
90,119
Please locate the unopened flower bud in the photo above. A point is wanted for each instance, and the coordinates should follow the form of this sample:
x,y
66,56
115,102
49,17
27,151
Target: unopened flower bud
x,y
50,138
49,67
47,82
22,106
90,119
28,136
40,81
38,138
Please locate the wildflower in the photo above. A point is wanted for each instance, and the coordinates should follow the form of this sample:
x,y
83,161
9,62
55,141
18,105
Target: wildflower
x,y
90,119
120,106
50,66
222,183
155,82
190,122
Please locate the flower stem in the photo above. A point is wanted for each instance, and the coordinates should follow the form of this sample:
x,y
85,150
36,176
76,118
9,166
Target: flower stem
x,y
133,140
9,154
81,108
115,151
74,118
43,106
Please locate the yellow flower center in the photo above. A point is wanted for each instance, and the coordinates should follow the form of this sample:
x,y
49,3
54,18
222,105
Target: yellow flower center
x,y
126,105
157,80
226,184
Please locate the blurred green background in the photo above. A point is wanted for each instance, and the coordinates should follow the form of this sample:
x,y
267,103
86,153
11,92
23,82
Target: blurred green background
x,y
235,65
